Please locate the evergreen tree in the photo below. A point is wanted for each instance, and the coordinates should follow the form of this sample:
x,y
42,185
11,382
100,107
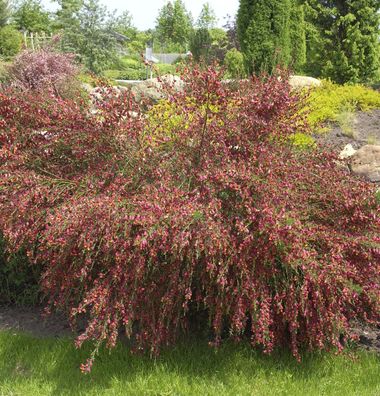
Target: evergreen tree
x,y
174,26
264,33
346,38
200,44
4,12
297,37
203,38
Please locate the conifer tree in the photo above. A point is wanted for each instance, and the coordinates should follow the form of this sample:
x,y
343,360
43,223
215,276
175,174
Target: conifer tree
x,y
345,39
297,37
264,33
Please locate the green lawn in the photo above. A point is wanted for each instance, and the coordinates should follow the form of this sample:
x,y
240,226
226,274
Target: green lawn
x,y
30,366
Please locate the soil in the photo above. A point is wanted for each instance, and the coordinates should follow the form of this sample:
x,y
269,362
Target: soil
x,y
33,321
365,130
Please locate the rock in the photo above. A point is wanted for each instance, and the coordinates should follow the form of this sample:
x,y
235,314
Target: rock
x,y
347,152
366,162
153,88
87,87
299,82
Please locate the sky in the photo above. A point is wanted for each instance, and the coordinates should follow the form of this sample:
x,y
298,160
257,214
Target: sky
x,y
145,12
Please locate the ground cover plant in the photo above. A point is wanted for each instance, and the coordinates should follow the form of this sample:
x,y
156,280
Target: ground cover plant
x,y
222,220
337,103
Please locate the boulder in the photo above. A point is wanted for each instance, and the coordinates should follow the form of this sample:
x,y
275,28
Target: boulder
x,y
366,162
299,82
347,152
153,88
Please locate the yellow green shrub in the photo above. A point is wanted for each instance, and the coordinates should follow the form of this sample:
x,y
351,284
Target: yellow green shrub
x,y
301,141
165,119
328,101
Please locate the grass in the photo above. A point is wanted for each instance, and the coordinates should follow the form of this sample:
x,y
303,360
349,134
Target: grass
x,y
3,66
346,120
30,366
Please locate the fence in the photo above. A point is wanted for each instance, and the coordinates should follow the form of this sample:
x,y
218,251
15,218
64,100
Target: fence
x,y
36,40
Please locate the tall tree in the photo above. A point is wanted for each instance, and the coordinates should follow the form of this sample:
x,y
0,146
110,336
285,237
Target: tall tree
x,y
201,43
264,33
4,12
344,43
89,34
65,16
297,36
32,17
174,26
207,18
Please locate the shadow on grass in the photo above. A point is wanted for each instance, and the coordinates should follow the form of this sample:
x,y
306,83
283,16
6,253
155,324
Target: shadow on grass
x,y
190,367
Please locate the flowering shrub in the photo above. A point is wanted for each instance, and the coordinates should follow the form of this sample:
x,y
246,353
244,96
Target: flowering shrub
x,y
43,70
228,218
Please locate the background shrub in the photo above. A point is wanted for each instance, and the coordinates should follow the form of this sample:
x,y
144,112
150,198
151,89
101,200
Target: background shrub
x,y
234,62
10,42
225,219
43,70
133,69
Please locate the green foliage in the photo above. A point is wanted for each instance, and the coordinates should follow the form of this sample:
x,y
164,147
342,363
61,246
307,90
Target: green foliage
x,y
264,34
133,69
327,102
126,69
10,41
4,12
65,16
3,72
138,42
209,44
123,24
174,26
164,68
234,62
378,196
207,18
271,34
126,74
164,121
200,44
346,117
297,37
30,16
19,281
302,142
87,32
87,78
343,39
